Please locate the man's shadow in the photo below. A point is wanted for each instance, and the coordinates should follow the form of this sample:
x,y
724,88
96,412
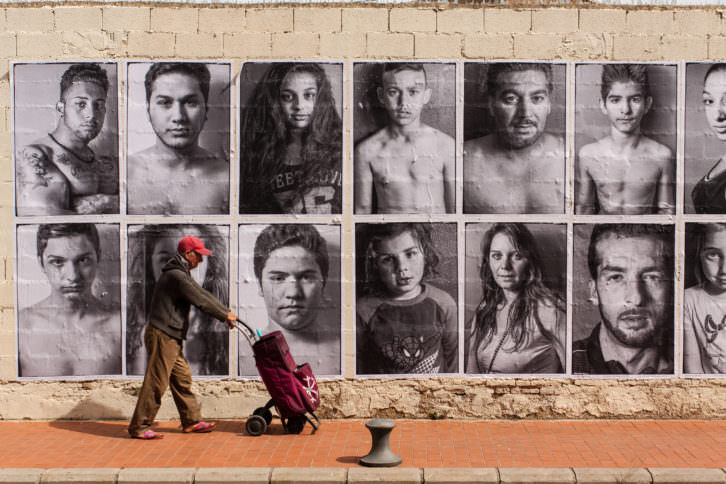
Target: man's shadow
x,y
108,428
114,423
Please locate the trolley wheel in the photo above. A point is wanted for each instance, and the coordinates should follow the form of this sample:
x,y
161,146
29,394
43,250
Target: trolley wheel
x,y
264,413
255,425
295,424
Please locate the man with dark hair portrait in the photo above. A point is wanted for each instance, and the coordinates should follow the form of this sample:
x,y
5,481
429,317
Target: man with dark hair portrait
x,y
407,166
631,267
59,173
291,264
176,175
625,172
518,168
71,332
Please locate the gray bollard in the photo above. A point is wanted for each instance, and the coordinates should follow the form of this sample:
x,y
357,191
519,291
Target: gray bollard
x,y
381,454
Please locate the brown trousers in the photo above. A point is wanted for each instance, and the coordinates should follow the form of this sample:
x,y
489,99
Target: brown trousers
x,y
166,367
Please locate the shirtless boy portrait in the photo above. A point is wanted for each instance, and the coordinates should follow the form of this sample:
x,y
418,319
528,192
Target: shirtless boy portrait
x,y
175,175
518,167
59,173
74,331
625,172
407,166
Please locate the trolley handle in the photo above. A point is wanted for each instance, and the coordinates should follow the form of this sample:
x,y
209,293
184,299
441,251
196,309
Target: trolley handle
x,y
246,330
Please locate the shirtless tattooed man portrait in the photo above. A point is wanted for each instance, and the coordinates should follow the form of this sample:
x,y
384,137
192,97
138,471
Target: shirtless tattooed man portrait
x,y
59,173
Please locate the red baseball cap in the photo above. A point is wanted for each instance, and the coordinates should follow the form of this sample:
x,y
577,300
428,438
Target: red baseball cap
x,y
192,243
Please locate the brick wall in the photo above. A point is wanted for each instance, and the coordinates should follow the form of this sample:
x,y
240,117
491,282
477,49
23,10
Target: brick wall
x,y
238,34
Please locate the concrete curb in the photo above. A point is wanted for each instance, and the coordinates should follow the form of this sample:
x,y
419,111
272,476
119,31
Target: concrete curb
x,y
356,475
80,476
524,475
392,475
312,475
688,476
612,475
20,476
483,475
224,475
152,475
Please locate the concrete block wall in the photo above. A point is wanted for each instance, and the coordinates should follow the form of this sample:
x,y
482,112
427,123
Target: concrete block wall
x,y
240,33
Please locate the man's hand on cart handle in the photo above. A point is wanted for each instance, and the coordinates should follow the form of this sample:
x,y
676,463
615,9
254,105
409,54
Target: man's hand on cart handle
x,y
231,319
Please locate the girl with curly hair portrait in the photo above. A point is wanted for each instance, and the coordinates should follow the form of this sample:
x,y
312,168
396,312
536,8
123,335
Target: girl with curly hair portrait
x,y
291,140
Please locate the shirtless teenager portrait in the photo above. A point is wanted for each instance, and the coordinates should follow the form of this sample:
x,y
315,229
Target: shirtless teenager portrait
x,y
182,111
66,130
624,171
516,162
406,165
69,323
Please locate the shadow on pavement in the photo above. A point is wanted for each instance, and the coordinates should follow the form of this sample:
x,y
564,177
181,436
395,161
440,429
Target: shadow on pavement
x,y
76,420
348,459
116,430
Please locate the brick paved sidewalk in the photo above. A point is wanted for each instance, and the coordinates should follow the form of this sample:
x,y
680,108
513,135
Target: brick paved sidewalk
x,y
339,443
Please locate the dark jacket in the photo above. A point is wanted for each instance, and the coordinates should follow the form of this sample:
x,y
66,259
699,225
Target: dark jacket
x,y
587,358
174,293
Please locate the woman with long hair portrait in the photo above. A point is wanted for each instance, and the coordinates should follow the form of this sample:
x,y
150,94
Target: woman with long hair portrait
x,y
291,143
708,194
150,247
520,324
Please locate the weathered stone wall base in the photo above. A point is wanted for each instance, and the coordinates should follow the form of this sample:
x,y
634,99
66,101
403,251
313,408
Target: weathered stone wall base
x,y
456,398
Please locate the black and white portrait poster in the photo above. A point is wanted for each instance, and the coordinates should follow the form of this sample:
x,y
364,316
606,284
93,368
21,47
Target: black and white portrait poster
x,y
289,281
404,116
291,137
623,321
704,299
68,287
515,298
514,137
705,135
406,298
65,135
178,149
625,139
150,247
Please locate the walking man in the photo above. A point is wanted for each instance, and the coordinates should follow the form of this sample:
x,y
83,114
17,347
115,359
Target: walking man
x,y
166,329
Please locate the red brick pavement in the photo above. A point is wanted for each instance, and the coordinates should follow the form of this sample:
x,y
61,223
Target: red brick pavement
x,y
339,443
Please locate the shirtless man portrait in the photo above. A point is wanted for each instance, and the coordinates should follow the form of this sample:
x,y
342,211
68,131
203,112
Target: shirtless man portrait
x,y
408,164
71,332
518,167
59,174
175,175
625,172
292,268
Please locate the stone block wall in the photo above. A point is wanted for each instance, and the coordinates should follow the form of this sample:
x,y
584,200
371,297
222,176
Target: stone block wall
x,y
240,33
